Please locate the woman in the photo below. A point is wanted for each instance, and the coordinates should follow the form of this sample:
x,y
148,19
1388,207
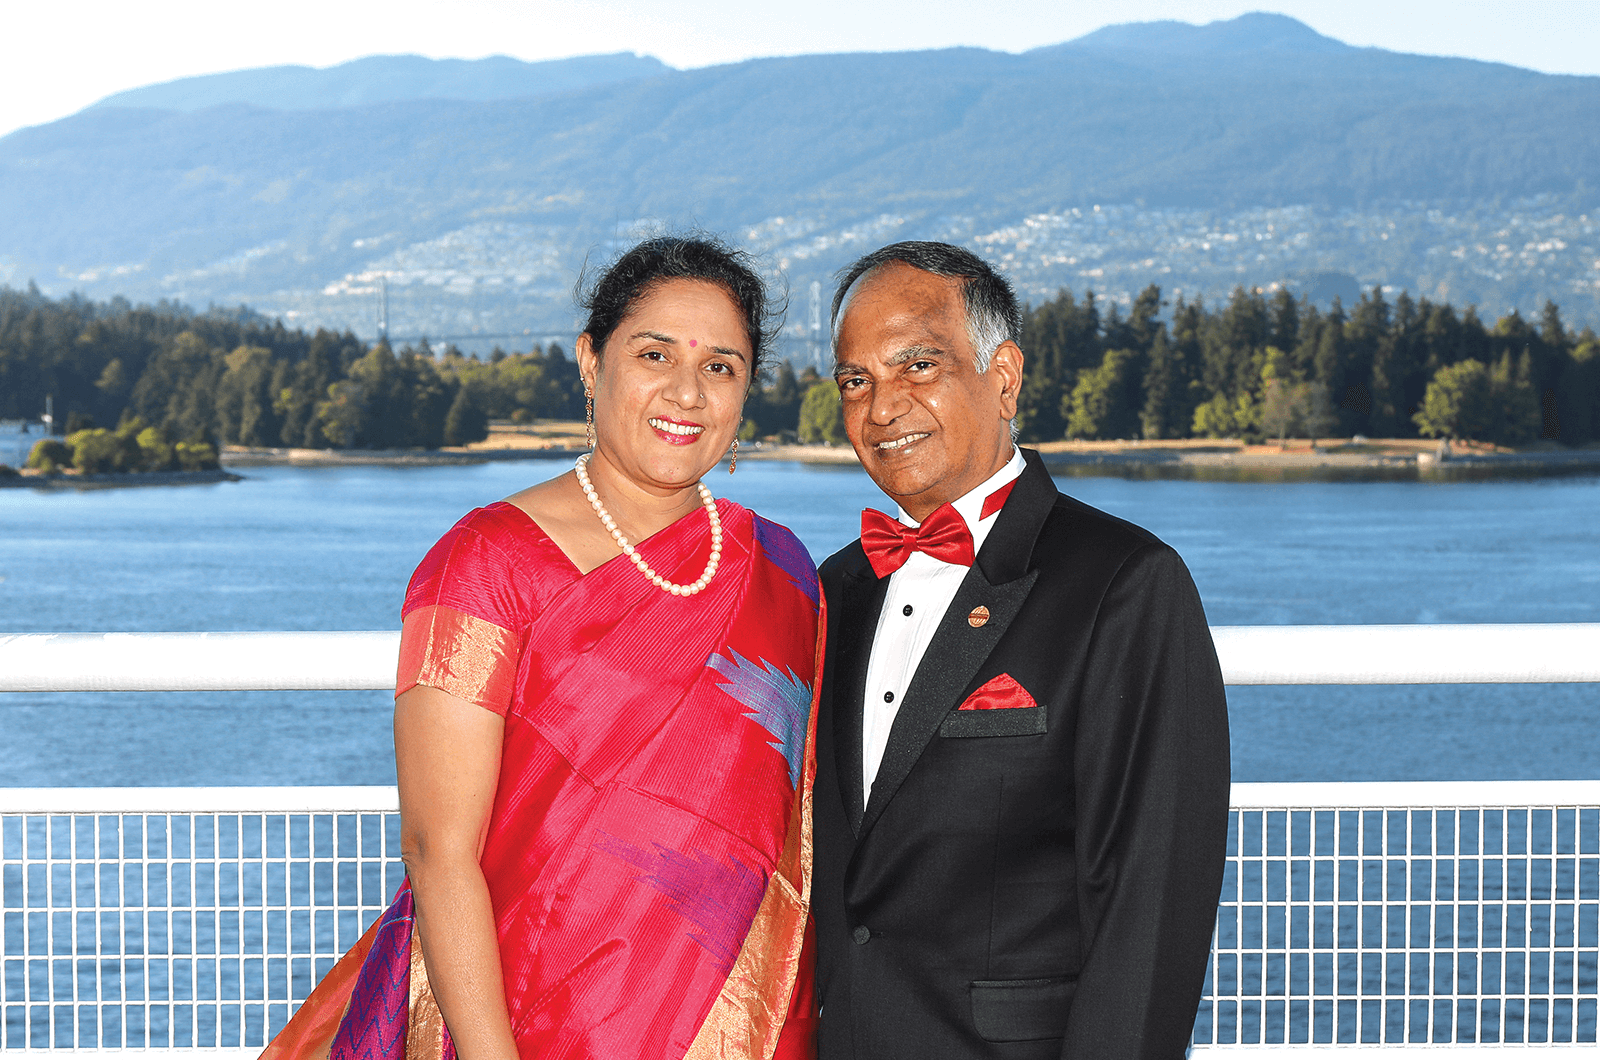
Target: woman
x,y
603,747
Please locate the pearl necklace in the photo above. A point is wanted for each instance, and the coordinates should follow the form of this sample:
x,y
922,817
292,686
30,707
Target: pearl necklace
x,y
628,550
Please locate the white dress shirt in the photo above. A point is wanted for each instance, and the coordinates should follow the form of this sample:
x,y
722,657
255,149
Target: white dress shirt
x,y
919,593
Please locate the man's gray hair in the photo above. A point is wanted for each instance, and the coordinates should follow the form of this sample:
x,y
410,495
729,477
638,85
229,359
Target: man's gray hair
x,y
991,305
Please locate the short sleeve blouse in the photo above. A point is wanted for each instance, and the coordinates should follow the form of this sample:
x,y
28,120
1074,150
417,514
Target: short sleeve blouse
x,y
471,601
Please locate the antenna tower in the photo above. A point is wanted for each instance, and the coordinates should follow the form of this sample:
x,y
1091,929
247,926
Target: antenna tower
x,y
383,309
816,323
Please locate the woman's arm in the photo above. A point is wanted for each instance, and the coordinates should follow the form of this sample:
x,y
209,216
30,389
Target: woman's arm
x,y
447,754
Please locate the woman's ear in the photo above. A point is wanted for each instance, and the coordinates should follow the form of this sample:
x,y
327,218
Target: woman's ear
x,y
588,361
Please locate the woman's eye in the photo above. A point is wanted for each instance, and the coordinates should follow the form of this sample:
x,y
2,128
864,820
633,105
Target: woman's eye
x,y
654,355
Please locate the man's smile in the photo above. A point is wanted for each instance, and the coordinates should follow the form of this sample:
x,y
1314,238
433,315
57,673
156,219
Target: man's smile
x,y
900,442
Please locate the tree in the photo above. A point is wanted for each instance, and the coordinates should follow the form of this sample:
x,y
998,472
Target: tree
x,y
94,450
1214,418
1280,397
466,421
775,409
1457,403
1105,402
1317,410
1280,408
822,414
1515,402
424,398
50,455
244,405
1167,411
157,450
1578,393
341,417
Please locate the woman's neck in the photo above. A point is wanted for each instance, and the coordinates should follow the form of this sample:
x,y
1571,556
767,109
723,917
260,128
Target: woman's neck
x,y
639,510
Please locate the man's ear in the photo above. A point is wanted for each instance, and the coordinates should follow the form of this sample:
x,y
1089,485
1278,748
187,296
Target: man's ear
x,y
1005,367
588,360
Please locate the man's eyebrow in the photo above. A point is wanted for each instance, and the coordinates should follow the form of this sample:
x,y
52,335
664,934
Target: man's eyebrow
x,y
911,353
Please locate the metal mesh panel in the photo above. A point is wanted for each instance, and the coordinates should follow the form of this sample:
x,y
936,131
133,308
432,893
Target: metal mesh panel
x,y
1362,926
1406,926
180,930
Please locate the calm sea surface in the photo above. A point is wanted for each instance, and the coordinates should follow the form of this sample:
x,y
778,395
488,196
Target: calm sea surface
x,y
332,549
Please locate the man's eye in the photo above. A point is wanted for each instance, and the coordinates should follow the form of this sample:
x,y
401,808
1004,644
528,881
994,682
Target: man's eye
x,y
921,366
852,383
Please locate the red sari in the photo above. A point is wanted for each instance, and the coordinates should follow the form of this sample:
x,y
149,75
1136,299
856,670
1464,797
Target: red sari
x,y
649,850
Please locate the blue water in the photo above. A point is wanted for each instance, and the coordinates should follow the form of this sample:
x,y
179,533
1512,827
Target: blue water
x,y
311,549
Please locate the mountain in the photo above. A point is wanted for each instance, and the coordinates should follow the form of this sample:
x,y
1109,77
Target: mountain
x,y
1255,32
388,79
478,212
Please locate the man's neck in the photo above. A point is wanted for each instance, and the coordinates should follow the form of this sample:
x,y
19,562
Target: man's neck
x,y
970,503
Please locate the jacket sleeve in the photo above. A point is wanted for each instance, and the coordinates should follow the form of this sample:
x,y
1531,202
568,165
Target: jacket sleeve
x,y
1151,784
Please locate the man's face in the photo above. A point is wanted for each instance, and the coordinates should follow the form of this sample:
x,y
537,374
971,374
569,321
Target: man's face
x,y
926,424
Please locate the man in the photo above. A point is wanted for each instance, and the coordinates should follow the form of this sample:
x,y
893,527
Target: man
x,y
1022,754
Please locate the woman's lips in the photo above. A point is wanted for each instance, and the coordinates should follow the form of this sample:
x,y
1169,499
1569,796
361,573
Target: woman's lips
x,y
676,432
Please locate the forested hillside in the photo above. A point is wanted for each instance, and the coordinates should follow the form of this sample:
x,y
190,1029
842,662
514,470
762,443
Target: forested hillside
x,y
478,212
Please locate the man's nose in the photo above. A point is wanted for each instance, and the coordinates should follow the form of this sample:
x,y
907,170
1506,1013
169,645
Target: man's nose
x,y
888,404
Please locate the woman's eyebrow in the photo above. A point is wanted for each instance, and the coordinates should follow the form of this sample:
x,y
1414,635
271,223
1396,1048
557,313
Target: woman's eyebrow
x,y
725,351
668,339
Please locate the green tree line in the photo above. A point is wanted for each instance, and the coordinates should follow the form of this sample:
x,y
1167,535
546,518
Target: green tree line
x,y
1267,366
235,378
159,383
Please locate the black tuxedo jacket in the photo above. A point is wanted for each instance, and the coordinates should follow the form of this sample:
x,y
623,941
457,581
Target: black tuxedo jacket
x,y
1029,881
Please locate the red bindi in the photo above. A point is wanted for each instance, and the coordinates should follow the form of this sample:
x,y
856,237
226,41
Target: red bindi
x,y
692,342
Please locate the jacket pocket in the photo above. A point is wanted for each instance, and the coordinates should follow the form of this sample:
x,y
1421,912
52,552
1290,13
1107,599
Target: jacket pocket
x,y
1022,1010
1014,721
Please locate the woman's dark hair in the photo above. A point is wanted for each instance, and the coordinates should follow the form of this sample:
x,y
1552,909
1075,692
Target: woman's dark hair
x,y
655,261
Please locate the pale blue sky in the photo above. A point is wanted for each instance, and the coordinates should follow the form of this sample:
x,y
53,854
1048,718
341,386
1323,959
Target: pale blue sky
x,y
61,55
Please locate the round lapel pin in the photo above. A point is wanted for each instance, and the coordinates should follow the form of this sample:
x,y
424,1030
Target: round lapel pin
x,y
978,617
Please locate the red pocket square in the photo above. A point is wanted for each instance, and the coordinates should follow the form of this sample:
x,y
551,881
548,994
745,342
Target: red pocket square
x,y
1000,693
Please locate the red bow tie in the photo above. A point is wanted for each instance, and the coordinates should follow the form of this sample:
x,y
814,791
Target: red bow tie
x,y
889,542
942,535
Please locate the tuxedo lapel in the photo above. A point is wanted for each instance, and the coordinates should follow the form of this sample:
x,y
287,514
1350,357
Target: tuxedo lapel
x,y
863,594
1000,581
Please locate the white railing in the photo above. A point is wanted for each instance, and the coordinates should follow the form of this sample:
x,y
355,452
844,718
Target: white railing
x,y
1250,655
1449,916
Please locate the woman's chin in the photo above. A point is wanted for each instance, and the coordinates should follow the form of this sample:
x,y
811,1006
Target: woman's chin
x,y
679,469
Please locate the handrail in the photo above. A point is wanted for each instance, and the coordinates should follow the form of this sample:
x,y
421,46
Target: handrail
x,y
379,798
1533,653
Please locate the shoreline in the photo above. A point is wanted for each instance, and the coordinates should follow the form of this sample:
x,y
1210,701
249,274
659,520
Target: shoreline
x,y
1376,455
118,479
1205,458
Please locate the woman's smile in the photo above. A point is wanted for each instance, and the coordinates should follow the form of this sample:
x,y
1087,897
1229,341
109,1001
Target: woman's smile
x,y
676,432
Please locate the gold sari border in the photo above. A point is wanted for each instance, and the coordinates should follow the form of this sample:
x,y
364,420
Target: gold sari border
x,y
456,653
747,1018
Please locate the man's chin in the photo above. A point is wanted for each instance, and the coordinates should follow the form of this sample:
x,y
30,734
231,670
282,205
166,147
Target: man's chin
x,y
903,481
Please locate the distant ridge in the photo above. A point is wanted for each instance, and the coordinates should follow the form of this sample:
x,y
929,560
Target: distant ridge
x,y
389,79
1257,31
273,188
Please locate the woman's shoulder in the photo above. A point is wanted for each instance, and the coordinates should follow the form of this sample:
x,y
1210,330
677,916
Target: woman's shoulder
x,y
780,545
495,557
505,526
